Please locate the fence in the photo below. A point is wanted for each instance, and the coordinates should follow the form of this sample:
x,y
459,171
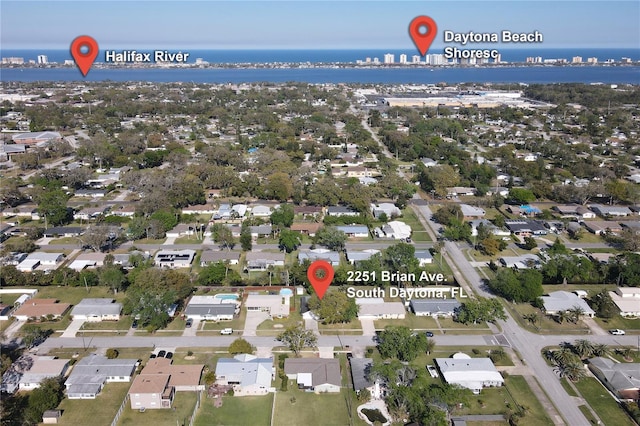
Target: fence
x,y
120,410
195,409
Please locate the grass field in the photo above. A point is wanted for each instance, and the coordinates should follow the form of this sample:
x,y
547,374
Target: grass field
x,y
629,325
545,324
94,412
295,407
179,413
411,321
418,233
602,403
521,392
236,411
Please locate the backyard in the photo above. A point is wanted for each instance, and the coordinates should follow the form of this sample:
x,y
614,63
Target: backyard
x,y
236,411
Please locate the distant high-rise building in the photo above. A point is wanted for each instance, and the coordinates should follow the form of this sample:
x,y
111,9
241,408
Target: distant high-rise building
x,y
626,60
403,59
576,60
367,60
498,59
592,60
13,60
43,59
376,60
389,58
415,59
436,59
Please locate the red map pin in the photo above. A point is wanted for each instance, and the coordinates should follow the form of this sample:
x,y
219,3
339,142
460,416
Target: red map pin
x,y
85,59
320,283
423,40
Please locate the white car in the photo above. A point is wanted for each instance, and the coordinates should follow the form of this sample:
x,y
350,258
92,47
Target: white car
x,y
617,332
226,331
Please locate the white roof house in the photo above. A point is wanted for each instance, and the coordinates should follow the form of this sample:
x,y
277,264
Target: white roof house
x,y
471,211
248,374
389,209
470,373
395,229
261,211
276,305
354,256
210,308
434,307
97,309
28,371
627,299
332,257
174,258
558,301
377,308
91,373
261,260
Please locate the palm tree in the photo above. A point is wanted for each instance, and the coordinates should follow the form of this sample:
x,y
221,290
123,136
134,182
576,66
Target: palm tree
x,y
532,318
626,352
584,348
600,349
561,316
430,345
564,355
573,371
575,314
550,355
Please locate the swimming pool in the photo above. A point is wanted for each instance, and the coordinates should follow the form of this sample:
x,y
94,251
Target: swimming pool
x,y
225,296
286,292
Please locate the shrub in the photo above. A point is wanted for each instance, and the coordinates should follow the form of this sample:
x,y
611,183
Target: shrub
x,y
112,353
475,351
189,353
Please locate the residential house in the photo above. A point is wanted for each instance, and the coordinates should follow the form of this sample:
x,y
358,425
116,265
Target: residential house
x,y
174,258
600,227
332,257
261,211
524,261
260,231
183,230
472,212
377,308
97,310
424,257
526,228
609,211
90,213
248,374
355,256
361,376
498,232
395,230
31,138
64,231
621,378
210,308
558,301
317,375
308,211
87,260
275,305
95,193
354,231
90,374
341,211
627,299
434,307
389,209
470,373
156,385
28,371
457,191
261,261
40,308
209,256
574,211
309,229
200,209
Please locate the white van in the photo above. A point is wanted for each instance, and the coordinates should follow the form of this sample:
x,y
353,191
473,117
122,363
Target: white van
x,y
226,331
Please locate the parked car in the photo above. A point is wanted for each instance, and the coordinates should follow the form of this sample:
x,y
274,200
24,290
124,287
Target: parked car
x,y
169,355
152,356
617,332
226,331
161,354
134,324
189,323
429,334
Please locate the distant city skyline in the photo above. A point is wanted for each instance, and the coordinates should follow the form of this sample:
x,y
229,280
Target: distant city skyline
x,y
314,24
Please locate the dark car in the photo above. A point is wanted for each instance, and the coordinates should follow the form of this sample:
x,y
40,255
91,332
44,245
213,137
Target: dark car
x,y
169,355
161,354
189,323
152,356
134,324
429,334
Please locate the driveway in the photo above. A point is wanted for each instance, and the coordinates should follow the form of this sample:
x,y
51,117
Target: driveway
x,y
191,331
73,328
368,327
254,319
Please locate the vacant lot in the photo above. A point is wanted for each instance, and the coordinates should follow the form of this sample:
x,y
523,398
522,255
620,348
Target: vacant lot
x,y
179,413
602,403
236,411
94,412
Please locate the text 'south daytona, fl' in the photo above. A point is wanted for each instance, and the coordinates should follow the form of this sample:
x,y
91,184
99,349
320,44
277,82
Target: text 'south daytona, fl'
x,y
430,292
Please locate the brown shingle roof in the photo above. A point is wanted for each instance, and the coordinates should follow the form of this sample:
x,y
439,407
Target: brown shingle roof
x,y
36,308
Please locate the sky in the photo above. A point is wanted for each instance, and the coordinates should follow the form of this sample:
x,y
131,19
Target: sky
x,y
307,24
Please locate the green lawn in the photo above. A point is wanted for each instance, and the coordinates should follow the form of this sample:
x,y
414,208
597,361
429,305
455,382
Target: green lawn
x,y
236,411
412,321
237,323
94,412
266,328
179,413
602,403
295,407
74,295
545,324
123,324
188,240
521,392
354,324
418,233
629,325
